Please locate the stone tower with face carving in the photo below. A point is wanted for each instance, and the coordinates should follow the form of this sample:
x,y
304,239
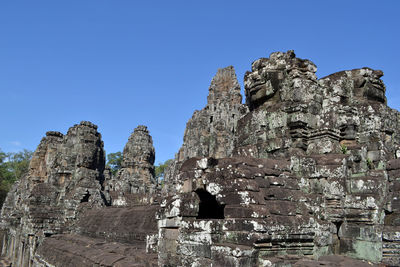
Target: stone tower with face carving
x,y
210,131
313,171
136,176
307,173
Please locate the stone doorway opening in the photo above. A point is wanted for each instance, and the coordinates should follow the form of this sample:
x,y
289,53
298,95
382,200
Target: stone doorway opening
x,y
209,208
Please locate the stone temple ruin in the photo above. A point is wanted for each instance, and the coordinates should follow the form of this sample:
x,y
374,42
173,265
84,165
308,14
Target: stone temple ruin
x,y
306,173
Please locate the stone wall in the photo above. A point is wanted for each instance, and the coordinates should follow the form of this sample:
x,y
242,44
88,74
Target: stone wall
x,y
238,212
65,177
69,210
329,143
306,173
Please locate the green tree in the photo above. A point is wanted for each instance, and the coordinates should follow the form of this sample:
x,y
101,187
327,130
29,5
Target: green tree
x,y
3,174
18,164
160,169
12,167
114,161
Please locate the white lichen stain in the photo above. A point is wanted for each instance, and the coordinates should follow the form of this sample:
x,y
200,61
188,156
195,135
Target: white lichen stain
x,y
294,164
204,225
370,109
213,188
151,242
265,263
185,224
196,264
371,203
335,188
258,227
178,187
202,163
245,198
197,173
222,250
201,237
176,204
359,184
303,183
120,201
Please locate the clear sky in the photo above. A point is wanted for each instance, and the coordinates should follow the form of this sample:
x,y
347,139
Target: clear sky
x,y
124,63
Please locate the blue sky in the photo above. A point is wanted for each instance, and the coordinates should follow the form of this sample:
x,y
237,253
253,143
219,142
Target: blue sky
x,y
124,63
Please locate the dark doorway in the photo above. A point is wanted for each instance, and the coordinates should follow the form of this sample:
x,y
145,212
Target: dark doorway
x,y
209,208
86,197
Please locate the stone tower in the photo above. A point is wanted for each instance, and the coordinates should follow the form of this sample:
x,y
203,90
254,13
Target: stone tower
x,y
210,131
136,175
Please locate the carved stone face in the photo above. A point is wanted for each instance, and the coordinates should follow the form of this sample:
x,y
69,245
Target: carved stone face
x,y
367,83
262,85
270,75
363,84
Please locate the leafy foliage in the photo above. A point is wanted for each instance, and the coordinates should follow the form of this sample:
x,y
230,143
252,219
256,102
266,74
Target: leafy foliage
x,y
160,169
344,149
12,167
114,161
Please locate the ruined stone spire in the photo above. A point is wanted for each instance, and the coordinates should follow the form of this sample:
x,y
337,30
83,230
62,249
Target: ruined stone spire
x,y
137,170
209,133
139,150
65,175
224,88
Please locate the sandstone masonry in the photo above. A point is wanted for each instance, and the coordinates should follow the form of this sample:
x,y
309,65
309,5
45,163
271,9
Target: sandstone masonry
x,y
306,173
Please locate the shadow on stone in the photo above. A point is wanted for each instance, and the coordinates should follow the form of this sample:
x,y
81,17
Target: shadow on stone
x,y
209,208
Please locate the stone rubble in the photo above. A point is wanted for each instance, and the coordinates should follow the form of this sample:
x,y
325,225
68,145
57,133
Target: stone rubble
x,y
306,173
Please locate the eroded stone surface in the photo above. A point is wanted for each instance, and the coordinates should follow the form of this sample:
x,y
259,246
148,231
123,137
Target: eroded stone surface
x,y
80,251
135,182
305,174
260,210
339,141
58,216
65,177
210,131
